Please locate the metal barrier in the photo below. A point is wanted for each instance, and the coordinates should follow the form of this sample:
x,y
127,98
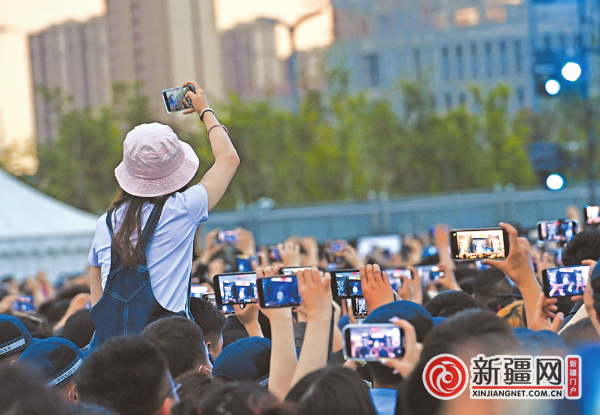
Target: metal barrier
x,y
402,216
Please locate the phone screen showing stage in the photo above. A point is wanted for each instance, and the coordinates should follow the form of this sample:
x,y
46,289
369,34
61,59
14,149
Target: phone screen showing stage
x,y
566,281
373,341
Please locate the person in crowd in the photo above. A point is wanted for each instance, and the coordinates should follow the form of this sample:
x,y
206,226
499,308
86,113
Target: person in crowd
x,y
181,343
195,386
58,360
142,251
245,359
448,303
127,375
211,321
243,398
14,338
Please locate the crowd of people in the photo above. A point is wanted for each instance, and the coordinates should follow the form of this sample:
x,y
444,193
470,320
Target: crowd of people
x,y
126,337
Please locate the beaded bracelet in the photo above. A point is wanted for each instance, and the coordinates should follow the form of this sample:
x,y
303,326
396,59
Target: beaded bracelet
x,y
216,125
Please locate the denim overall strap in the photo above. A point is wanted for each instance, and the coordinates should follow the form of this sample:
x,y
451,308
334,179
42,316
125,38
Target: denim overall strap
x,y
128,304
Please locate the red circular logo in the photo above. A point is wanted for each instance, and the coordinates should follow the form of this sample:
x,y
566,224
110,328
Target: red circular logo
x,y
445,376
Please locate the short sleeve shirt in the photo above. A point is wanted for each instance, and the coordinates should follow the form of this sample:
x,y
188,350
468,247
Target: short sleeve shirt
x,y
169,257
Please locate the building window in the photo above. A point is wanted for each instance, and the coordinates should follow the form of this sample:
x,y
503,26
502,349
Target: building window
x,y
503,60
445,64
521,96
488,59
459,62
371,63
448,100
462,99
518,57
474,61
417,59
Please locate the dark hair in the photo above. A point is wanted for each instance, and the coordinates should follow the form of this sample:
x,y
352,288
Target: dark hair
x,y
194,387
180,341
208,317
580,332
23,392
488,284
243,398
584,245
126,374
332,390
448,303
480,327
79,328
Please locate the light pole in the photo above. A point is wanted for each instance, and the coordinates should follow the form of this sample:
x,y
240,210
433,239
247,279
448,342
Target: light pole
x,y
291,28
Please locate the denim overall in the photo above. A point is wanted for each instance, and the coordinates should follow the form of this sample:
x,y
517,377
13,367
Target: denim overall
x,y
128,304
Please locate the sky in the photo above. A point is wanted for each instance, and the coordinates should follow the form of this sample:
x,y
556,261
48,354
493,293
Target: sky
x,y
18,18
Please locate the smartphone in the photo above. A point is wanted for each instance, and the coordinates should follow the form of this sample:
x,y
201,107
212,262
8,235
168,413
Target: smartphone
x,y
369,342
565,281
557,230
274,255
23,303
235,288
473,244
291,270
345,283
394,275
226,310
429,273
591,215
197,290
365,245
337,245
175,99
278,291
244,263
359,307
227,237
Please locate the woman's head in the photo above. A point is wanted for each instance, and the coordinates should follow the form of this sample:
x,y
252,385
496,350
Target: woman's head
x,y
336,390
155,162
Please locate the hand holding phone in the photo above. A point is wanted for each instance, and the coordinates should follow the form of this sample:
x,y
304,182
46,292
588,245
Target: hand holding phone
x,y
278,291
562,230
565,281
476,244
235,288
371,342
229,237
176,98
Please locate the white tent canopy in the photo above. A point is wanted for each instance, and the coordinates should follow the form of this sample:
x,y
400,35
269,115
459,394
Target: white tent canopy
x,y
38,233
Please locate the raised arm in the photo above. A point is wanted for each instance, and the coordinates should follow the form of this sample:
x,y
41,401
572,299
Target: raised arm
x,y
218,177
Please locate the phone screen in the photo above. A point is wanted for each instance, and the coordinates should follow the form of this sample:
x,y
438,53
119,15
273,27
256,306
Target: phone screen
x,y
473,244
175,99
197,290
591,214
238,288
227,237
565,281
359,307
394,275
557,230
23,303
369,342
346,283
276,292
429,273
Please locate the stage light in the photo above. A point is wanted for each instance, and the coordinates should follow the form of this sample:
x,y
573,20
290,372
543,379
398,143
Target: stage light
x,y
571,71
555,182
552,86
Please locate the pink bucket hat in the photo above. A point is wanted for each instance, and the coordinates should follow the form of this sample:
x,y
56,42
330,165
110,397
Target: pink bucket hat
x,y
155,162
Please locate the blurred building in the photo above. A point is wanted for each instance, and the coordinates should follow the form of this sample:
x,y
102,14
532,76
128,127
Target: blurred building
x,y
164,43
71,58
251,67
454,45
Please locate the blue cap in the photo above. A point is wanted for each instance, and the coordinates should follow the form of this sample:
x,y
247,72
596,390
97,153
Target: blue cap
x,y
58,360
245,359
540,341
415,314
438,320
14,337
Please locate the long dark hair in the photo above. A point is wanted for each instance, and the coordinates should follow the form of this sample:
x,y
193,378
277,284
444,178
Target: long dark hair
x,y
132,224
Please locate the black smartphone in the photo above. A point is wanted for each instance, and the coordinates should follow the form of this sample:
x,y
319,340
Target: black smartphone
x,y
474,244
197,290
394,275
359,307
370,342
291,270
235,288
561,230
429,273
565,281
226,310
591,215
345,283
278,291
227,237
175,99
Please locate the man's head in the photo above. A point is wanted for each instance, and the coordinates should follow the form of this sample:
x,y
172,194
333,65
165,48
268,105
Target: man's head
x,y
490,285
180,341
245,359
14,338
58,360
211,321
448,303
584,245
128,375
